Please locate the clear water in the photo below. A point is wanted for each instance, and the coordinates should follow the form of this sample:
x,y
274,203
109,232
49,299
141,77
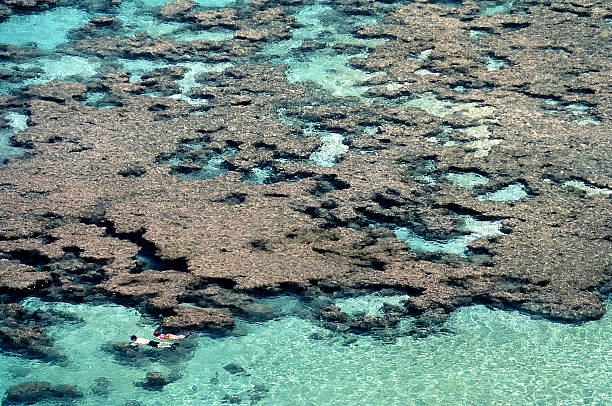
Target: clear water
x,y
426,173
589,189
326,67
208,35
189,82
16,122
467,179
492,7
331,147
49,29
259,175
490,357
580,112
430,103
480,139
510,193
330,151
52,67
139,67
44,30
479,33
424,72
138,16
368,305
494,64
214,166
472,227
331,72
218,3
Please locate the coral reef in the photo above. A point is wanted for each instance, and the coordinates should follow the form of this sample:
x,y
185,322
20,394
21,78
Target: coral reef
x,y
156,201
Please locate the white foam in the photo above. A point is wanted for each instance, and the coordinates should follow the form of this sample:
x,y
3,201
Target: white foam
x,y
332,147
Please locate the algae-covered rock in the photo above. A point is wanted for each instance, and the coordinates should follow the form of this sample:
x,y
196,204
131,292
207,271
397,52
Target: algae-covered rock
x,y
28,392
21,280
66,392
235,369
37,391
197,318
156,380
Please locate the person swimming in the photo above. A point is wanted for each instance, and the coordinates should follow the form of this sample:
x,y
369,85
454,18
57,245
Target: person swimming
x,y
143,341
162,336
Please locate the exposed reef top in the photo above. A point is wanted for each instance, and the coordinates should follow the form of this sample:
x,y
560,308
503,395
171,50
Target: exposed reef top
x,y
152,200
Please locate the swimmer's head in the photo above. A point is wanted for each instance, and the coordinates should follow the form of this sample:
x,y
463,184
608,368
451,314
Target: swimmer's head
x,y
133,338
156,334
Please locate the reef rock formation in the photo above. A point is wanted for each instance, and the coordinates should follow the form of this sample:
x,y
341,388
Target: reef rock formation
x,y
156,200
36,391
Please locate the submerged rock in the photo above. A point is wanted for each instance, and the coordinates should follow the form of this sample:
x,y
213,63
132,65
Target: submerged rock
x,y
37,391
235,369
176,9
28,392
15,53
30,341
66,392
371,323
232,399
258,392
126,354
238,303
155,380
101,386
333,313
12,311
133,403
9,7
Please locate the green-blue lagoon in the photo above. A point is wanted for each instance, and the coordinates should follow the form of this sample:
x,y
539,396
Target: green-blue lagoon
x,y
484,357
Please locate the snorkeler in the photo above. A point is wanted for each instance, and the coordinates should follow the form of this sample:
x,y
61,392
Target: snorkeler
x,y
143,341
162,336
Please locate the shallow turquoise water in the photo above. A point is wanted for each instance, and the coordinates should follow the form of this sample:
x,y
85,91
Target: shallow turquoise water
x,y
330,150
138,16
217,3
368,305
510,193
492,7
52,67
590,190
45,30
473,229
326,67
467,179
490,357
16,122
